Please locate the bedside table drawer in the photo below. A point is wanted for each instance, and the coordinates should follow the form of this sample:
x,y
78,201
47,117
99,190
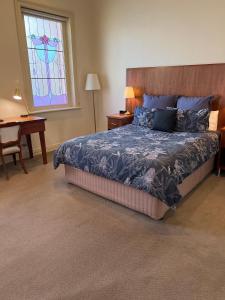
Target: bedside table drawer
x,y
221,154
114,123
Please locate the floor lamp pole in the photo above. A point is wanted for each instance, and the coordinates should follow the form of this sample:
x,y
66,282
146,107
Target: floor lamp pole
x,y
93,98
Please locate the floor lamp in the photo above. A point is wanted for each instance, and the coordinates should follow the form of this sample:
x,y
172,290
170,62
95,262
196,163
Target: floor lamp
x,y
92,84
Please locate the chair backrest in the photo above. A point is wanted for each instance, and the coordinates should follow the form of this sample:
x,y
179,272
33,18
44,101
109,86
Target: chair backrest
x,y
9,134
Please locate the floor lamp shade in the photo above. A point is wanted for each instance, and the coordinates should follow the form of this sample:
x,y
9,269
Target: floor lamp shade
x,y
92,82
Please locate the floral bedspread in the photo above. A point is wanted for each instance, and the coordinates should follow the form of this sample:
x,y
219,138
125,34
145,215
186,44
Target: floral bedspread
x,y
151,161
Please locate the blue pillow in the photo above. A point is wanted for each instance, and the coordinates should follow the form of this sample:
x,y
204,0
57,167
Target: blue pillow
x,y
151,101
164,120
143,117
192,121
194,103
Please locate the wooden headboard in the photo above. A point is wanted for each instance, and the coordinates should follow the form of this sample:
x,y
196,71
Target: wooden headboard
x,y
194,80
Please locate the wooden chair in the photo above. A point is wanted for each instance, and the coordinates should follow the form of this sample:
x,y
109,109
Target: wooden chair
x,y
10,137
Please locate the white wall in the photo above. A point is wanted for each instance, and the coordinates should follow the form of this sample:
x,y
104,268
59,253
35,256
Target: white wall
x,y
138,33
110,36
60,125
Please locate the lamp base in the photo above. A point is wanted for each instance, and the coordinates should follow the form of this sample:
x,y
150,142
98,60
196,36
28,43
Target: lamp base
x,y
1,120
127,113
24,116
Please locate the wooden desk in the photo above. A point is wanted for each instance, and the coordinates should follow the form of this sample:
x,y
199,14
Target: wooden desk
x,y
29,125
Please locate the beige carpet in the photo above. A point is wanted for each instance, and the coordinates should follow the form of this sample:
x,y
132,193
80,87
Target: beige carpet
x,y
60,242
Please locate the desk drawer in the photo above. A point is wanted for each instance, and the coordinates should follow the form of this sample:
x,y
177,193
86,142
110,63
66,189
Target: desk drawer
x,y
32,127
115,122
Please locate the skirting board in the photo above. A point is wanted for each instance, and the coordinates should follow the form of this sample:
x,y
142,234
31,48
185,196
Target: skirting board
x,y
49,148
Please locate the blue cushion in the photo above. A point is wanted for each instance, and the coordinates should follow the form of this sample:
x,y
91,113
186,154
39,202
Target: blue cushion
x,y
192,121
143,117
194,103
164,120
151,101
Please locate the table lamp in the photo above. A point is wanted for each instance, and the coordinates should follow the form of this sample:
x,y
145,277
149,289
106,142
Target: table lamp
x,y
17,96
128,94
92,84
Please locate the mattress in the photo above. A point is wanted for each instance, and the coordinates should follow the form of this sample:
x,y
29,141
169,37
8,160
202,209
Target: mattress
x,y
130,197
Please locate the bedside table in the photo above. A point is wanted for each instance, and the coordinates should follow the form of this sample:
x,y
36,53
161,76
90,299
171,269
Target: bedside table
x,y
119,120
221,162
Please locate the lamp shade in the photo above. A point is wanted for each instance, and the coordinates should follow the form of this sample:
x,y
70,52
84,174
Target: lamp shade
x,y
17,94
128,92
92,83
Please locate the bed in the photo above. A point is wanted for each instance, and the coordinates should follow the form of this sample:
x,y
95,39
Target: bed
x,y
153,162
146,170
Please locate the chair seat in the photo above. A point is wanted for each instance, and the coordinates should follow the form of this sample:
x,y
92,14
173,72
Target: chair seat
x,y
10,150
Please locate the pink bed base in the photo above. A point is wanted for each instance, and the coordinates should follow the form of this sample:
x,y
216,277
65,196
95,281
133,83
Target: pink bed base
x,y
130,197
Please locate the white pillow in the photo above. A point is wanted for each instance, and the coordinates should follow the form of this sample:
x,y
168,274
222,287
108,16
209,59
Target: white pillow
x,y
213,120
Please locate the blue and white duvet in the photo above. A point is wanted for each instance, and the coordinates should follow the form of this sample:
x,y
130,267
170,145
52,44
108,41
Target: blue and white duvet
x,y
152,161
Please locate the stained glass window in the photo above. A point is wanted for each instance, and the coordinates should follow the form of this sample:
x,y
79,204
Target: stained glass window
x,y
44,37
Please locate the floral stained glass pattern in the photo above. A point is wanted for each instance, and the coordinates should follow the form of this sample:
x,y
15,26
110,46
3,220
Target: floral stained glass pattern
x,y
46,60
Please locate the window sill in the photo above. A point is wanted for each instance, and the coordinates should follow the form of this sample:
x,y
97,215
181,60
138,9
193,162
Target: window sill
x,y
53,110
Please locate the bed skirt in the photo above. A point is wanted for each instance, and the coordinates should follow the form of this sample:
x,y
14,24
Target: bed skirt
x,y
130,197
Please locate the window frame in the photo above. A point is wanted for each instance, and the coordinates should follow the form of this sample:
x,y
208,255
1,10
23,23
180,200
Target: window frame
x,y
23,7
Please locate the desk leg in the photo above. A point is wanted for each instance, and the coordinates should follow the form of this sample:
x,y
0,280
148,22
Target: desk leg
x,y
43,146
29,144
